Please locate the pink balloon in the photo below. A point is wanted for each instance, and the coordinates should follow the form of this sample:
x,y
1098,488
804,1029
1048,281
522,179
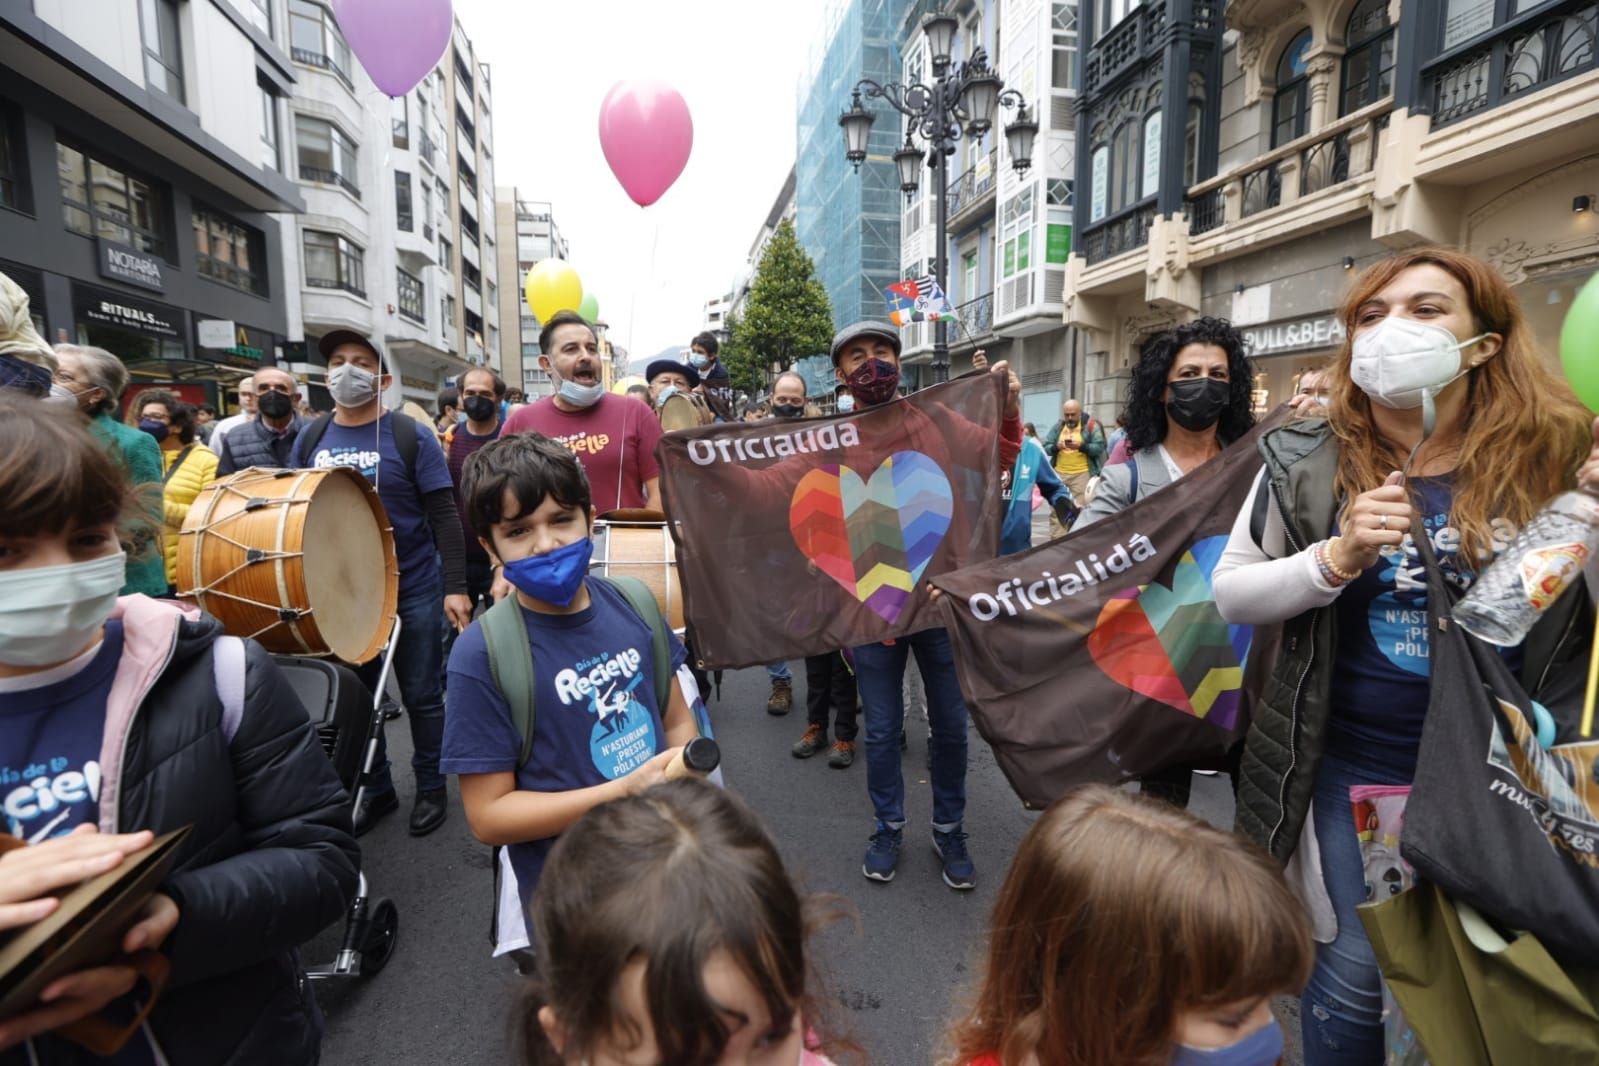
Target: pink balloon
x,y
397,41
647,134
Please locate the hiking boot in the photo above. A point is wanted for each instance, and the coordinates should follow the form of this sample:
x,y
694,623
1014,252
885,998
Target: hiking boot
x,y
842,755
958,869
782,697
882,858
814,740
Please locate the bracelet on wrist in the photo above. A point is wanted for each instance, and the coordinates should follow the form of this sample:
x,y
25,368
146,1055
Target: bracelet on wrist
x,y
1318,555
1344,576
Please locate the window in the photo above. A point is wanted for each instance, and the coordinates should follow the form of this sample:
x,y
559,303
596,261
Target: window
x,y
491,295
261,14
1110,13
1465,19
445,251
315,40
100,200
11,168
1290,107
163,59
1016,233
1124,165
229,251
1151,174
1063,26
413,298
333,262
1099,196
271,154
326,154
471,275
402,200
400,120
427,208
1369,63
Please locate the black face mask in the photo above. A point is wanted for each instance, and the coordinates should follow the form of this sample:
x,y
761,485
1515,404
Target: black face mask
x,y
479,408
1198,403
784,410
274,404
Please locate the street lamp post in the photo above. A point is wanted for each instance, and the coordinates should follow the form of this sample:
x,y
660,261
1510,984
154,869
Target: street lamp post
x,y
961,101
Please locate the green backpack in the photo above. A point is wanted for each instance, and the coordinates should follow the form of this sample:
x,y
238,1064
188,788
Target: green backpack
x,y
511,654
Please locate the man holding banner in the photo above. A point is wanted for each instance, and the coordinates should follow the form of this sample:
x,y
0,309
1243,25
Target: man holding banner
x,y
848,515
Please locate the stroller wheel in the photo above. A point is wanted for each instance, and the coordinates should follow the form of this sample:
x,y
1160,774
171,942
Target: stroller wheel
x,y
382,931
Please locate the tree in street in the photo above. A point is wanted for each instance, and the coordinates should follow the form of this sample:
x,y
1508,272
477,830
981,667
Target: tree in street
x,y
788,315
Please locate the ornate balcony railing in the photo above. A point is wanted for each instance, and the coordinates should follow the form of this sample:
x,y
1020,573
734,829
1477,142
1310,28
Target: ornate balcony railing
x,y
1526,53
1205,212
1121,234
972,186
977,318
322,62
334,283
1130,40
1263,189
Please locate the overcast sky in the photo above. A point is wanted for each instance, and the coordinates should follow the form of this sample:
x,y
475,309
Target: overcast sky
x,y
736,62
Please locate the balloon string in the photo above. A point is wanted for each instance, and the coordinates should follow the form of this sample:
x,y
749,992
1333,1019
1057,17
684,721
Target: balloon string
x,y
632,315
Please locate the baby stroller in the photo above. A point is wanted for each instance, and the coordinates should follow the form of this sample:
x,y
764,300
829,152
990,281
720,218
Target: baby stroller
x,y
348,719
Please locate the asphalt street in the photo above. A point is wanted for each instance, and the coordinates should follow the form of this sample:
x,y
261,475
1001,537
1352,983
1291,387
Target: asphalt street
x,y
898,965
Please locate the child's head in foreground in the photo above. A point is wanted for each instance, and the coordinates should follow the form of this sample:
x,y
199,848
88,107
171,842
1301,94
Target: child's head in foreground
x,y
1128,931
668,931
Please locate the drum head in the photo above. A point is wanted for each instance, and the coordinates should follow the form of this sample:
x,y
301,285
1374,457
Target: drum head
x,y
679,412
346,570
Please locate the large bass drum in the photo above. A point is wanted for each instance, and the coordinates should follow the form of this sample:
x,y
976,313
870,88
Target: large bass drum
x,y
301,560
637,543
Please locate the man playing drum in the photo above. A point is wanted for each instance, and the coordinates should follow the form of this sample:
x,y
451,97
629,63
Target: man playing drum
x,y
404,460
672,394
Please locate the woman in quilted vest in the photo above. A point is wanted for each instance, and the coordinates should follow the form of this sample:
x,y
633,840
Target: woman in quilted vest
x,y
187,465
1441,413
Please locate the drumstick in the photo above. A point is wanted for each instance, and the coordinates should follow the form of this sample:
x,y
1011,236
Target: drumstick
x,y
699,757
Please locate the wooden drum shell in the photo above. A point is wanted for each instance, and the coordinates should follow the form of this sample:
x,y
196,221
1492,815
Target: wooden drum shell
x,y
303,561
641,549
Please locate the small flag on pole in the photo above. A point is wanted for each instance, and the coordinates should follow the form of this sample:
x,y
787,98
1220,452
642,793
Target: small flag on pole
x,y
918,300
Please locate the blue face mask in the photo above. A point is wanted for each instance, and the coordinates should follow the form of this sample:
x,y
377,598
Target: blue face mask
x,y
665,394
1263,1047
555,576
699,361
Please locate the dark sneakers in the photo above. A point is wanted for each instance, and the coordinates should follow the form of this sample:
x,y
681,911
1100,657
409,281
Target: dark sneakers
x,y
814,740
781,701
959,872
882,858
842,755
428,812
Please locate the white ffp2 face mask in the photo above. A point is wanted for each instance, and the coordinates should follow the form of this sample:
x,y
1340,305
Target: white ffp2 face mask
x,y
1398,359
48,614
351,386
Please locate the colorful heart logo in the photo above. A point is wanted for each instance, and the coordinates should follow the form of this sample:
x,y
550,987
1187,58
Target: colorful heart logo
x,y
874,537
1172,645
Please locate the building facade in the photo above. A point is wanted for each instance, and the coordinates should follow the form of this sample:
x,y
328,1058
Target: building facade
x,y
1009,234
142,182
1318,137
847,221
527,233
782,209
390,242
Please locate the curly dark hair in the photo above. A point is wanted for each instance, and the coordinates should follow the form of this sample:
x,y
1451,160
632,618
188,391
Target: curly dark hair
x,y
1146,398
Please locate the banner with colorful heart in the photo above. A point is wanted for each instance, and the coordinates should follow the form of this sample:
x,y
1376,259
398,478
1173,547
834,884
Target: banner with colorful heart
x,y
798,537
1101,656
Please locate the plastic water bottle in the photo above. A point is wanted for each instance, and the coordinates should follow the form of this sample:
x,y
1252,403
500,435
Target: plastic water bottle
x,y
1546,559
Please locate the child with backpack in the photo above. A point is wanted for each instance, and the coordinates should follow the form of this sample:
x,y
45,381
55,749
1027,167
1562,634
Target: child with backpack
x,y
563,695
712,969
1130,932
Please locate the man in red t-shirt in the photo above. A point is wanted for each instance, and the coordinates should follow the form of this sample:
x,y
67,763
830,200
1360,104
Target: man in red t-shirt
x,y
613,436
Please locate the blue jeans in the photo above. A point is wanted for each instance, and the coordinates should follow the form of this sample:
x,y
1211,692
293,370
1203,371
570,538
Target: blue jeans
x,y
1340,1013
779,672
879,673
416,669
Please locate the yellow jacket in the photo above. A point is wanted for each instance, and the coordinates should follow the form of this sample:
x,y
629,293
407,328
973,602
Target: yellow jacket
x,y
182,486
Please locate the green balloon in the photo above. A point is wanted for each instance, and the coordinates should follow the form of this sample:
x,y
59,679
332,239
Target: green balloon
x,y
1579,344
590,307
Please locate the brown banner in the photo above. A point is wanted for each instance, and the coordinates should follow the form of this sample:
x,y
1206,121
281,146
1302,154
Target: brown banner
x,y
1101,656
802,536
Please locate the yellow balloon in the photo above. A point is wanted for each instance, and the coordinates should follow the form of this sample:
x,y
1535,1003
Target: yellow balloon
x,y
552,285
623,384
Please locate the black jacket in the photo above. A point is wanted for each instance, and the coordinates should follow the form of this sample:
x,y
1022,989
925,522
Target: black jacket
x,y
270,861
254,444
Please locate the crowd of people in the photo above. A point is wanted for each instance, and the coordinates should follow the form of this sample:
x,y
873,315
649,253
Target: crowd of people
x,y
1126,930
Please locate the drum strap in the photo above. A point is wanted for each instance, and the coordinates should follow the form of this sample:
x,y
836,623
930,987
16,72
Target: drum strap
x,y
511,654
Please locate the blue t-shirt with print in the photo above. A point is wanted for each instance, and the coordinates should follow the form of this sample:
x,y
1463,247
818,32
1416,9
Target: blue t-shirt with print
x,y
50,751
370,449
1384,663
595,713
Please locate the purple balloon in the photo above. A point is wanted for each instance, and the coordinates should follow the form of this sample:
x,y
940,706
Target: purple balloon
x,y
397,41
646,133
